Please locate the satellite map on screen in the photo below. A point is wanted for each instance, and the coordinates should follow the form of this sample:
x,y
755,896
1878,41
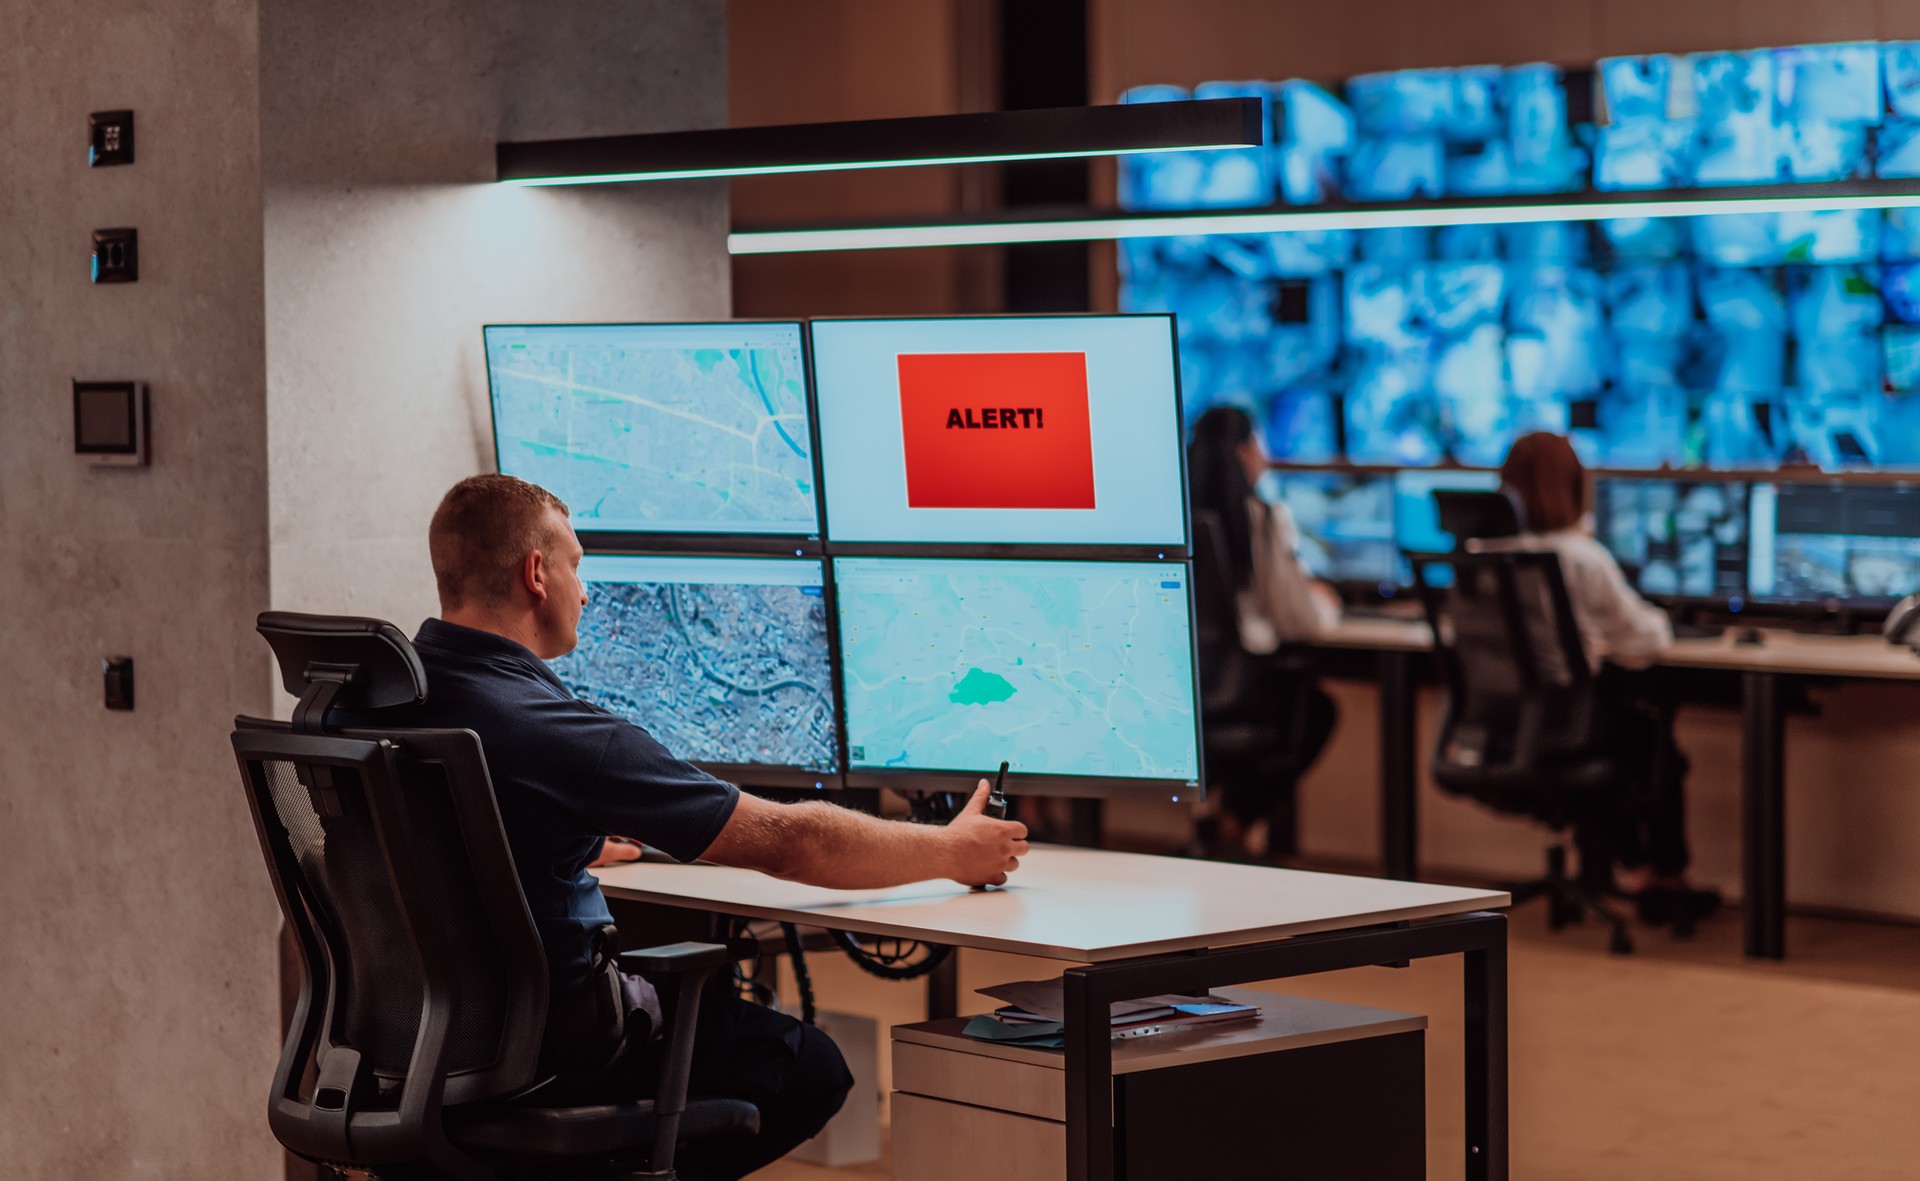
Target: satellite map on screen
x,y
721,660
1064,668
659,427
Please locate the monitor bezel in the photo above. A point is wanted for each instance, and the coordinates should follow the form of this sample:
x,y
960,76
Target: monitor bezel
x,y
690,541
882,548
777,775
1037,784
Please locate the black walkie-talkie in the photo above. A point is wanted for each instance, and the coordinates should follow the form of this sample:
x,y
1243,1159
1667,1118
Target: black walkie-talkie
x,y
997,798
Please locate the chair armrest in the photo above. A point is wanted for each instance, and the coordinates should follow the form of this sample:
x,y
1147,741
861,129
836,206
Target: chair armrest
x,y
672,959
691,964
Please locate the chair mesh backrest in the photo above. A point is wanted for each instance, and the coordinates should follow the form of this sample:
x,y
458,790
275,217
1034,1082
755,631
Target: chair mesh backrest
x,y
1224,671
1490,670
375,968
1517,671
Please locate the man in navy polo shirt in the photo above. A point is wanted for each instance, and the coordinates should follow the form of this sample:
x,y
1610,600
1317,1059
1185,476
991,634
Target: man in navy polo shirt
x,y
567,773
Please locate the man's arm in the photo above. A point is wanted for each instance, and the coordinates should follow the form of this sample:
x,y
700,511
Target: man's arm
x,y
823,845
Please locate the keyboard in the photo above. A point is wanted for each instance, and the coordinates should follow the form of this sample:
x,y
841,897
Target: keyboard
x,y
1698,631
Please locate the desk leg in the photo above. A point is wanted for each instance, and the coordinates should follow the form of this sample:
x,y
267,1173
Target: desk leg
x,y
1090,1154
1485,977
1763,803
1399,786
1481,938
943,988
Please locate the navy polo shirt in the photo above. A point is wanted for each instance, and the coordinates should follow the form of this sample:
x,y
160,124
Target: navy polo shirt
x,y
566,774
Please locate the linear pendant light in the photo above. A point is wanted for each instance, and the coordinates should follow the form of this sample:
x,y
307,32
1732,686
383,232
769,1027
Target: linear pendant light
x,y
992,137
1083,227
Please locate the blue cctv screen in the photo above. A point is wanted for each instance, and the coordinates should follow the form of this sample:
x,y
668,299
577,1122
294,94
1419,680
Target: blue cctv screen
x,y
1416,517
1737,341
1676,539
1816,543
1344,521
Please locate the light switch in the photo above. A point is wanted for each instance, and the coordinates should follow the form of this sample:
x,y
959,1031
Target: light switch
x,y
109,138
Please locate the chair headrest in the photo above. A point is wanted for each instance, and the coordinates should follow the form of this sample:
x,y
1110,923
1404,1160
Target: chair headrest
x,y
1472,516
384,670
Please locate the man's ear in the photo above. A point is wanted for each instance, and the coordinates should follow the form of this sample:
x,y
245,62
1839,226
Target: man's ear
x,y
533,575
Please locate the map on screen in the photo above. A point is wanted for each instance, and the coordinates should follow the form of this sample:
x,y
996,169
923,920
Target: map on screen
x,y
670,428
1060,668
722,660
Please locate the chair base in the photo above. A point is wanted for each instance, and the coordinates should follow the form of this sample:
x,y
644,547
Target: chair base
x,y
1569,901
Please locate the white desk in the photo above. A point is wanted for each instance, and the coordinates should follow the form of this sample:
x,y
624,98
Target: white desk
x,y
1090,906
1397,643
1850,657
1149,925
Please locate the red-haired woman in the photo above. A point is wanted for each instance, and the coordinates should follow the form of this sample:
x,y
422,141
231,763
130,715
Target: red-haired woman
x,y
1648,836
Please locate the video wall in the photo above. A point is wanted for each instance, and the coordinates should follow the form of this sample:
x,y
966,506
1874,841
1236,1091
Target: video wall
x,y
874,552
1728,341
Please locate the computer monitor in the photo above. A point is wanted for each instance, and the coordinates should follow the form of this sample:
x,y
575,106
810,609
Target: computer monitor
x,y
1345,522
659,428
1038,430
1079,674
1416,518
1677,539
1835,544
725,661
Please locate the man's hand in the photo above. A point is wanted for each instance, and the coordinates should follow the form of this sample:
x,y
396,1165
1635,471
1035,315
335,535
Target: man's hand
x,y
823,844
615,851
984,850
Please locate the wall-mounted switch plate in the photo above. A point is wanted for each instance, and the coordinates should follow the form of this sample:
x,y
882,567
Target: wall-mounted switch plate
x,y
110,422
109,138
117,673
116,256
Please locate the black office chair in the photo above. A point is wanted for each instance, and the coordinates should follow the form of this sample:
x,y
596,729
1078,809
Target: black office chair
x,y
1245,740
414,1048
1522,729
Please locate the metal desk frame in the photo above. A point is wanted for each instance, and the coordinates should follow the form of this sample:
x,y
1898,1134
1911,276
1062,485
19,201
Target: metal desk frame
x,y
1480,937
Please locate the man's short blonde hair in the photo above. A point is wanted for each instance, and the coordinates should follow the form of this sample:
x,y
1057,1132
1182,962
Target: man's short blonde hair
x,y
484,528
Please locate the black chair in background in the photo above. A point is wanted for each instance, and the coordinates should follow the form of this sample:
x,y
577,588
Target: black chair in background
x,y
1522,733
1253,708
415,1045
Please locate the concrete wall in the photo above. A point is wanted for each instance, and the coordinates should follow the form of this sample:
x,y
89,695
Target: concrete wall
x,y
384,257
314,352
137,997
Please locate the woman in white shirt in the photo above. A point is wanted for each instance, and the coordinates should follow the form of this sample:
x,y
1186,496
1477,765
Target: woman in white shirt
x,y
1279,602
1648,837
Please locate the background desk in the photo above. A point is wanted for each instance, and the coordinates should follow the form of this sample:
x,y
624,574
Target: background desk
x,y
1397,644
1148,925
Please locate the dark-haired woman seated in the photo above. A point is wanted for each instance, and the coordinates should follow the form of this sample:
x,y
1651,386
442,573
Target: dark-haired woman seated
x,y
1278,601
1647,836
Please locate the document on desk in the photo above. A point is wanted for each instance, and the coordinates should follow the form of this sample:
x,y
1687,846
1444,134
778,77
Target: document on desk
x,y
1041,1000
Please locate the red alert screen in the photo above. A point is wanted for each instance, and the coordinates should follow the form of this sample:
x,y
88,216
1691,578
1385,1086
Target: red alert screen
x,y
996,430
1000,430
